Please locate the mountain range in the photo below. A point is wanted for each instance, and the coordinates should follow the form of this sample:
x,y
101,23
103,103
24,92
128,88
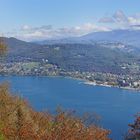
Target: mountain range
x,y
100,56
126,37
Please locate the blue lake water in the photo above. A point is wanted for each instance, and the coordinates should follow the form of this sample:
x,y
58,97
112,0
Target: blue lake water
x,y
117,107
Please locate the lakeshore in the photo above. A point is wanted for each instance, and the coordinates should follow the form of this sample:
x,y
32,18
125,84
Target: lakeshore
x,y
105,85
130,82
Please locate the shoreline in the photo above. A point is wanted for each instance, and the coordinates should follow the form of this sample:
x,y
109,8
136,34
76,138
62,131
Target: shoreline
x,y
83,81
90,83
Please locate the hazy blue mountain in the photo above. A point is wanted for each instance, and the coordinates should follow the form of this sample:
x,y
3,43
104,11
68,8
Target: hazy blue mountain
x,y
126,37
72,40
131,37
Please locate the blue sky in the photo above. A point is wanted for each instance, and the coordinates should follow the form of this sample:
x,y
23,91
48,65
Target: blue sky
x,y
27,18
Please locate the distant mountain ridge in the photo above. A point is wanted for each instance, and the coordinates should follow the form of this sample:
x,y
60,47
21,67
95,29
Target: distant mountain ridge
x,y
128,37
131,37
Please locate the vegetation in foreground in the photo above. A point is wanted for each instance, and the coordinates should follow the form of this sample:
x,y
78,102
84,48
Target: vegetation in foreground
x,y
134,131
18,121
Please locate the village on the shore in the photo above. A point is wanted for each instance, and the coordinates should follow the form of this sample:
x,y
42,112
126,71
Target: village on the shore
x,y
91,78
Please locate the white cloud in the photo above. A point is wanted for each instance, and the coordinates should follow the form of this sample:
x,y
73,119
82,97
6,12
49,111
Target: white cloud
x,y
25,27
135,27
29,33
134,20
121,20
120,17
106,20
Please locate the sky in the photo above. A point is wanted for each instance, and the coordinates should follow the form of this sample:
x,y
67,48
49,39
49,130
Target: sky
x,y
51,19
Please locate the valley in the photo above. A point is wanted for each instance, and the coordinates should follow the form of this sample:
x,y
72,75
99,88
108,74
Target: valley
x,y
103,63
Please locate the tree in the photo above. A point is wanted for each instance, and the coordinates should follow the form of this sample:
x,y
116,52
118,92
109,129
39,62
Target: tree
x,y
18,121
3,47
134,132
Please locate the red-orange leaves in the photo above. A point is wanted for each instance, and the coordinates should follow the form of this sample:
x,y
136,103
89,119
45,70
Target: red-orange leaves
x,y
18,121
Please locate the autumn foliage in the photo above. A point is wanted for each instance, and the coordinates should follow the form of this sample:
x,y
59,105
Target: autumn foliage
x,y
3,47
18,121
134,132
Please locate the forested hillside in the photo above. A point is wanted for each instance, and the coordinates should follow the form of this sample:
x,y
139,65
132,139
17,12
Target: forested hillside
x,y
72,57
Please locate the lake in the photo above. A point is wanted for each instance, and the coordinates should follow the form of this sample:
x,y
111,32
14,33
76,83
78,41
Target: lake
x,y
116,107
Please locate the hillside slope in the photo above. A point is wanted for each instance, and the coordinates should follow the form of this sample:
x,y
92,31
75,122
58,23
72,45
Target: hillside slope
x,y
72,57
19,122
